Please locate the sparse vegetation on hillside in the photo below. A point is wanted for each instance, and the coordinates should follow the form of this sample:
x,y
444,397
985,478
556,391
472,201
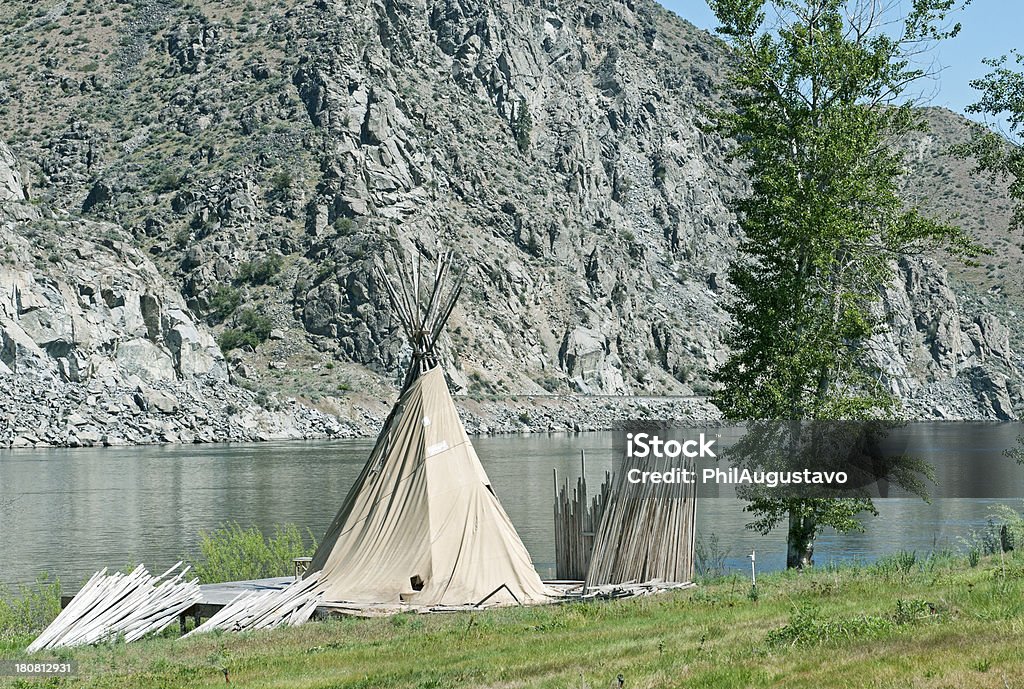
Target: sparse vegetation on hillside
x,y
257,145
261,271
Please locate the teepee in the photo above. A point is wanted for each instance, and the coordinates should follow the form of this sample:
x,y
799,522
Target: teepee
x,y
421,524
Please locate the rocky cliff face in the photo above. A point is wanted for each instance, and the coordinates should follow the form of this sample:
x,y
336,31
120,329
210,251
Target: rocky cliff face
x,y
942,354
262,156
97,347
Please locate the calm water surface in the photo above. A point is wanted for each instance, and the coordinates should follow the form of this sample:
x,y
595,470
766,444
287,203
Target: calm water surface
x,y
71,512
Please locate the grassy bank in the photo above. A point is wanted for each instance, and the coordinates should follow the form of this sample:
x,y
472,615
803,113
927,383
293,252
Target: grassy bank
x,y
901,622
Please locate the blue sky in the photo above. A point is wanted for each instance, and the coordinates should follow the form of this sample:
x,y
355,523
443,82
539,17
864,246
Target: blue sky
x,y
990,28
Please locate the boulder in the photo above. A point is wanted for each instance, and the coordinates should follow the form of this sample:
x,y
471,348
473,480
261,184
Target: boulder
x,y
991,392
195,352
145,359
584,356
18,351
149,399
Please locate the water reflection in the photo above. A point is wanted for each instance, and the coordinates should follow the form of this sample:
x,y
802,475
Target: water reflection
x,y
70,512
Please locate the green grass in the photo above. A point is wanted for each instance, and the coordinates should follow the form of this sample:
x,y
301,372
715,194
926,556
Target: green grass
x,y
932,622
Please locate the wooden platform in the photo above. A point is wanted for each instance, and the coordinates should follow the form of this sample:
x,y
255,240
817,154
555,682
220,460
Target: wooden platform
x,y
216,596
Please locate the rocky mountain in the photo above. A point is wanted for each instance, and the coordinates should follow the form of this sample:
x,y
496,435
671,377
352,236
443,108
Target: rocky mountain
x,y
232,170
97,347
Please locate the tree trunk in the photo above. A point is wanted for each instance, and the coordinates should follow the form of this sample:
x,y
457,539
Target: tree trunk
x,y
800,541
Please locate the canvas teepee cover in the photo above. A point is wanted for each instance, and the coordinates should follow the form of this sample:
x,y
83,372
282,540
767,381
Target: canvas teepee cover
x,y
421,524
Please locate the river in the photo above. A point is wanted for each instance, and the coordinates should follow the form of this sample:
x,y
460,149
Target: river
x,y
69,512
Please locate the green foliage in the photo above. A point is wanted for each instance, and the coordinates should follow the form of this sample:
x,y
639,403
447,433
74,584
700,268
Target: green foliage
x,y
30,609
260,272
252,329
281,184
808,626
224,301
816,104
925,630
996,152
343,226
550,383
167,180
231,553
1016,453
1012,520
1003,533
233,338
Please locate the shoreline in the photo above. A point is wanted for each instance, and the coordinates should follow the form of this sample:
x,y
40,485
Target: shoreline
x,y
141,421
294,420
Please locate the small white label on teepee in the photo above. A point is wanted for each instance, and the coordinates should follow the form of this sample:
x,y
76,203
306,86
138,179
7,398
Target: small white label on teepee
x,y
436,448
426,421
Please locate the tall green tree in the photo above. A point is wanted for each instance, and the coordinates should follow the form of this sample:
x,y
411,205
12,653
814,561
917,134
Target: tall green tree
x,y
817,97
999,150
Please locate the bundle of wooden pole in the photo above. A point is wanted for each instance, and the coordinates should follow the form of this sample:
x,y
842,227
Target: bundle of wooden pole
x,y
290,606
114,605
646,533
577,517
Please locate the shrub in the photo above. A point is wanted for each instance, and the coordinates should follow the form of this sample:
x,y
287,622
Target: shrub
x,y
232,338
1011,527
711,557
231,553
281,183
344,226
224,300
550,383
260,272
30,609
255,323
167,180
253,329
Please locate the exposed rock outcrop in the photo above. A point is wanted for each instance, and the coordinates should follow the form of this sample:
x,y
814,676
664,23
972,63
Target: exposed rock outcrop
x,y
96,347
943,359
11,184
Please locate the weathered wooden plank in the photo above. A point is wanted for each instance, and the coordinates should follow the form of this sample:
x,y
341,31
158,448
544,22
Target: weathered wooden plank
x,y
132,605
